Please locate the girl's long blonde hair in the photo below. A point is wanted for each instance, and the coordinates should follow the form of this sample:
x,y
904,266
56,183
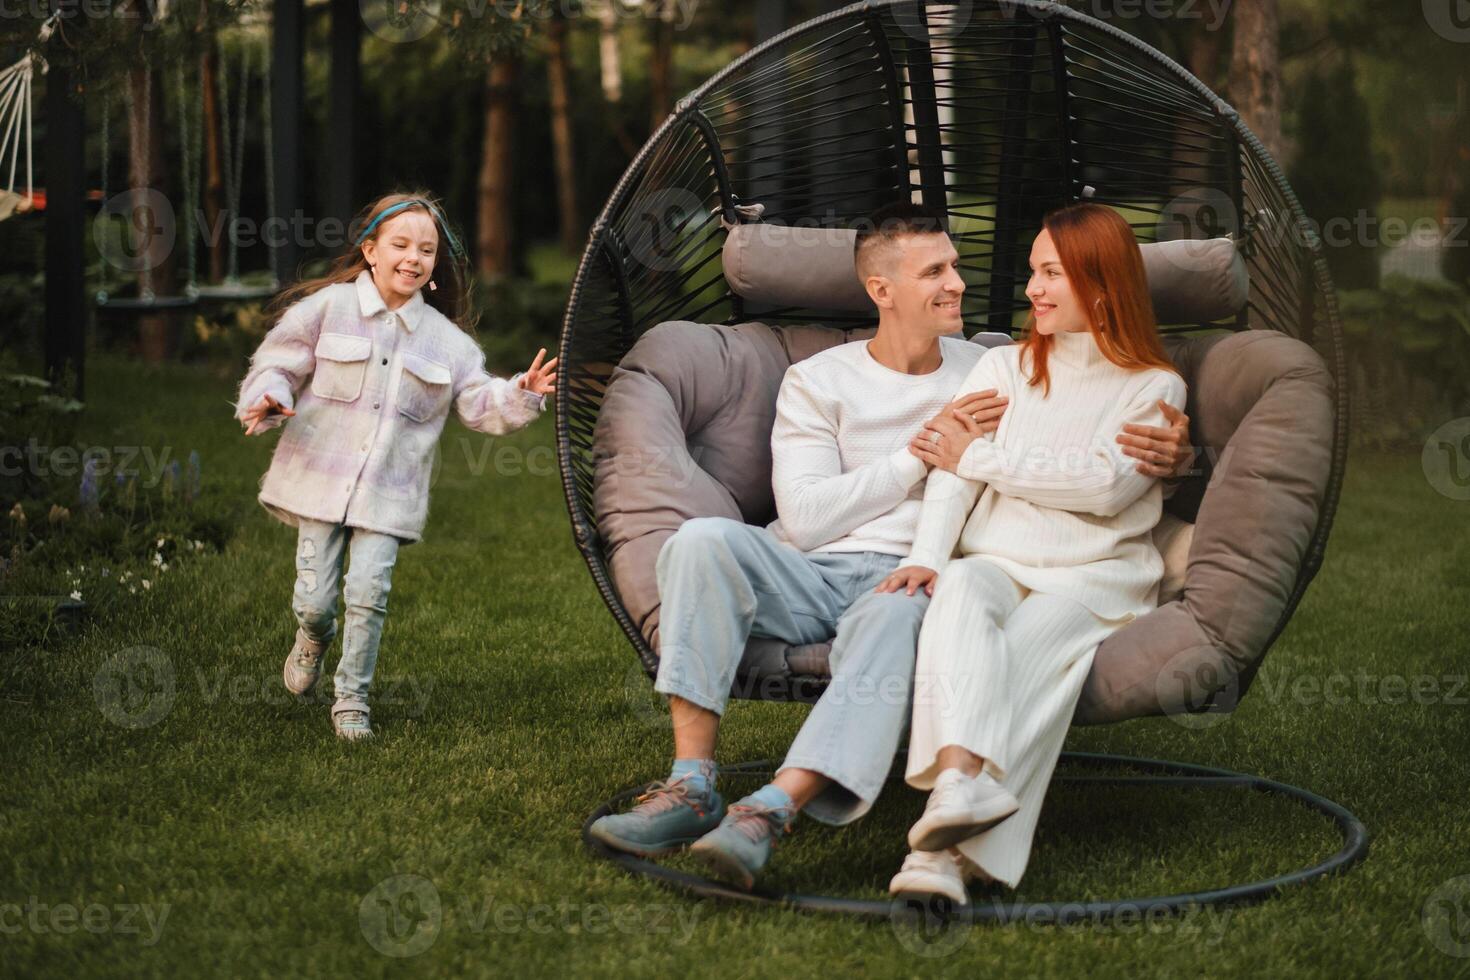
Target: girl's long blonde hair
x,y
1100,256
455,285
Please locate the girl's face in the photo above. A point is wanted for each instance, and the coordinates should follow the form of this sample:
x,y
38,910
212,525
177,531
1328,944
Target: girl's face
x,y
1056,307
402,255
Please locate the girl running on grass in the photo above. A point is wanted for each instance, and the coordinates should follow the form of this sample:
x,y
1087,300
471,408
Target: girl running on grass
x,y
362,367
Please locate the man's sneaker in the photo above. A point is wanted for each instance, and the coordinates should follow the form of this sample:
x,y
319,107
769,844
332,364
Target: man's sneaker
x,y
931,873
740,846
959,808
351,724
668,816
303,665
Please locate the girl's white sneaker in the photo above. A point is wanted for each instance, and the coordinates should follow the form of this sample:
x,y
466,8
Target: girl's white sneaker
x,y
303,665
931,873
959,808
351,724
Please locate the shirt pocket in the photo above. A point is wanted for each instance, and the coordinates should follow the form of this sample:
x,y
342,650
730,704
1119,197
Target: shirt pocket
x,y
341,365
423,388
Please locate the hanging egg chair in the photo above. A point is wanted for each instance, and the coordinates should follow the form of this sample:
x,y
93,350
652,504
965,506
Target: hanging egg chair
x,y
724,255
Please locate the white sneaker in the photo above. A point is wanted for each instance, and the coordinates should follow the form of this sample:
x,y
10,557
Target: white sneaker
x,y
959,808
931,873
351,724
303,665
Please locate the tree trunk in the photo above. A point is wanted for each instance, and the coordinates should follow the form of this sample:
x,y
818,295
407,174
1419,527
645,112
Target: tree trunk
x,y
660,81
493,239
214,180
561,135
1255,71
150,243
610,55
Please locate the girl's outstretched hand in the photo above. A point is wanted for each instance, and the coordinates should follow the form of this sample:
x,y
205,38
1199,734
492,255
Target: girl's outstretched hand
x,y
540,378
255,415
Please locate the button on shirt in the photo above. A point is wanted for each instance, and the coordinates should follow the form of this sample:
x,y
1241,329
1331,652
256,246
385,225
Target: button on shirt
x,y
371,388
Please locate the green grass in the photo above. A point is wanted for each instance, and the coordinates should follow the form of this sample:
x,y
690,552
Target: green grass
x,y
509,707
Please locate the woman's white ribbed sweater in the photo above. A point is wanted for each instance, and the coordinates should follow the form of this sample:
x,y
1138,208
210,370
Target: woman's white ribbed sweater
x,y
1060,507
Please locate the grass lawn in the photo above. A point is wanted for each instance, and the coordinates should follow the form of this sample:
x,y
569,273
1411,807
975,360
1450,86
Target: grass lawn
x,y
232,834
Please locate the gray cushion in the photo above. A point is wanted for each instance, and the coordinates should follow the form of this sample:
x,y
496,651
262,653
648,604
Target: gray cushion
x,y
1190,281
685,432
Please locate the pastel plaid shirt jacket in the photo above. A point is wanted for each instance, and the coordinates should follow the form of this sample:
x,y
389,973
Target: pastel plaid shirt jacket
x,y
371,388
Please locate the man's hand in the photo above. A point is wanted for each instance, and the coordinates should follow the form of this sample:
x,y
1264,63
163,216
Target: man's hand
x,y
540,378
255,415
1160,452
909,580
943,441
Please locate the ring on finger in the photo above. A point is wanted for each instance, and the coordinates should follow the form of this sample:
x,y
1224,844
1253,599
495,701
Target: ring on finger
x,y
933,436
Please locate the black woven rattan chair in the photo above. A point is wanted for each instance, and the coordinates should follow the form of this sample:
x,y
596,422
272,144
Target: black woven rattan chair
x,y
994,112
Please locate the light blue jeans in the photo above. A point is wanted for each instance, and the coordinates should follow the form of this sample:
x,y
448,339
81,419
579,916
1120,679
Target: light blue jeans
x,y
721,582
320,548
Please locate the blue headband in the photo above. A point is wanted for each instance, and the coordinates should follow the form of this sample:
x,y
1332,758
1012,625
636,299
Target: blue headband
x,y
455,248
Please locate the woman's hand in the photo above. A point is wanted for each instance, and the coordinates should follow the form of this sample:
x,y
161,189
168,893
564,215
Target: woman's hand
x,y
909,579
255,415
1161,452
985,407
540,378
943,441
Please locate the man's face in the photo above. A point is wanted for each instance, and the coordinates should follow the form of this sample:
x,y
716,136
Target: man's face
x,y
921,283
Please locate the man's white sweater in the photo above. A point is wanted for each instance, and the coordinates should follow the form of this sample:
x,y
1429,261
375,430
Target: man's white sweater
x,y
1060,507
843,477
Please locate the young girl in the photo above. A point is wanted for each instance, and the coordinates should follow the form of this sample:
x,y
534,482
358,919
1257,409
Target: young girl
x,y
365,364
1053,525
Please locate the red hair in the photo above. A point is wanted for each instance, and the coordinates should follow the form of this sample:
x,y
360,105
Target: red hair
x,y
1100,257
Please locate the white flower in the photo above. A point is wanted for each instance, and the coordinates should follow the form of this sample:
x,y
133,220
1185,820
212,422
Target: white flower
x,y
77,595
147,584
157,558
132,590
163,567
160,542
198,545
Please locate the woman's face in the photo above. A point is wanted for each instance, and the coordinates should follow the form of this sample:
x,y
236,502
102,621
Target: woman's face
x,y
1055,306
402,255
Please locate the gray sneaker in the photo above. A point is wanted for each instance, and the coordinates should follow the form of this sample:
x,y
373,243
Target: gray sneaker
x,y
741,845
303,665
351,724
667,817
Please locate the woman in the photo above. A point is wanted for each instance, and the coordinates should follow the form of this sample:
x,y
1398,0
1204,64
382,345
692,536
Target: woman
x,y
1054,556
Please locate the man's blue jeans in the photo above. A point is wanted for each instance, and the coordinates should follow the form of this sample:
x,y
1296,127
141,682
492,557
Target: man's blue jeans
x,y
722,582
320,548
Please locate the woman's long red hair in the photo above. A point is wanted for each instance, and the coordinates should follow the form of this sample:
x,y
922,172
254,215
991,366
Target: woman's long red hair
x,y
1100,257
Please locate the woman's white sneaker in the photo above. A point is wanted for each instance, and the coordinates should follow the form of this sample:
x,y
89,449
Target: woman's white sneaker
x,y
931,873
959,808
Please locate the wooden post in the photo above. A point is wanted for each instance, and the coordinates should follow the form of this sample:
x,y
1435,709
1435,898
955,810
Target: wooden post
x,y
287,31
66,311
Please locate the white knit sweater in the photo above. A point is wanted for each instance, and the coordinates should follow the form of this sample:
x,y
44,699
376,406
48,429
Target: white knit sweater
x,y
1060,507
841,471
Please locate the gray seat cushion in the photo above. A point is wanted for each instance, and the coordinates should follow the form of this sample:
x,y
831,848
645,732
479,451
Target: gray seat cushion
x,y
684,432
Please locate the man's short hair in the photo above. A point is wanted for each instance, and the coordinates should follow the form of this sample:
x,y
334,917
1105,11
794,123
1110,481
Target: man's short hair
x,y
885,226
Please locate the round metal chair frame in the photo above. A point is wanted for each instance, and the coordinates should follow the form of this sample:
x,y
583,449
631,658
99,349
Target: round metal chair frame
x,y
1355,840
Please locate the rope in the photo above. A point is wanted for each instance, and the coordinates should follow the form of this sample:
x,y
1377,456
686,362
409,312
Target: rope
x,y
189,155
270,164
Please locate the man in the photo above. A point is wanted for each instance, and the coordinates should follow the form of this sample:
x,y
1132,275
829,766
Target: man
x,y
848,492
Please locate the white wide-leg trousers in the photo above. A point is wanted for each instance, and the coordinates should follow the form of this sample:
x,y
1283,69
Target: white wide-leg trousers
x,y
999,671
